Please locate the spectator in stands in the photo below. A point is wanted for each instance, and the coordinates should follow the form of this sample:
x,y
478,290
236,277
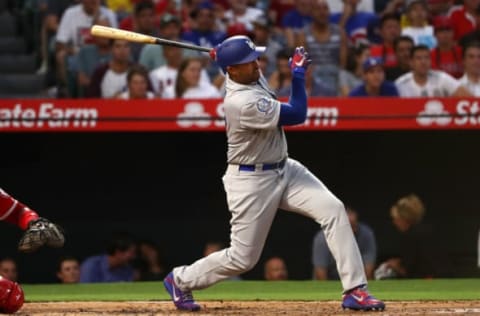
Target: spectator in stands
x,y
149,262
212,246
189,84
242,13
110,79
295,20
354,22
151,56
112,266
471,61
137,85
418,27
389,31
439,7
203,33
374,84
363,5
417,255
122,8
143,23
447,56
280,81
8,269
90,56
52,14
323,263
327,45
73,33
352,76
403,47
68,270
424,82
164,77
463,18
262,36
474,35
275,269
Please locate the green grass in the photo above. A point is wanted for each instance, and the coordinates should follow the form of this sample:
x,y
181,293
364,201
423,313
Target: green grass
x,y
441,289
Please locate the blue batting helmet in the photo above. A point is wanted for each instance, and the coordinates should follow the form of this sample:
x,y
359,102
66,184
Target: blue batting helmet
x,y
237,50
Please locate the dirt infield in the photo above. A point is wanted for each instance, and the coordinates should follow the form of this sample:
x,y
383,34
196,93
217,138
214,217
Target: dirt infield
x,y
246,308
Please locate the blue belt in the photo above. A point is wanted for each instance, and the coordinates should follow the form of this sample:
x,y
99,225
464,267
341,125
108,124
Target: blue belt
x,y
266,166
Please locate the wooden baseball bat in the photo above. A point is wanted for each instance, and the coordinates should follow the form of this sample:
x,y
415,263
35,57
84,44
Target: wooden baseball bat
x,y
110,32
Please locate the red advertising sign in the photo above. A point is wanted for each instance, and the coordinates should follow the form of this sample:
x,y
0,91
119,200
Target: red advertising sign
x,y
83,115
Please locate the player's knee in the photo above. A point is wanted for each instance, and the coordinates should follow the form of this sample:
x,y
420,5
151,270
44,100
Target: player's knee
x,y
334,213
244,261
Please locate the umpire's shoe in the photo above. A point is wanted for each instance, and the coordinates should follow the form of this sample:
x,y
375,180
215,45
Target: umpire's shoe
x,y
182,299
41,232
360,299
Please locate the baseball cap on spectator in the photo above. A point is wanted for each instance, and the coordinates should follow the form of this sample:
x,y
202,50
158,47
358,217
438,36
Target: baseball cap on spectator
x,y
442,23
168,18
205,5
371,62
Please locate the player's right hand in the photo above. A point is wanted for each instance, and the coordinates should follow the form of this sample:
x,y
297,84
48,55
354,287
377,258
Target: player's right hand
x,y
300,59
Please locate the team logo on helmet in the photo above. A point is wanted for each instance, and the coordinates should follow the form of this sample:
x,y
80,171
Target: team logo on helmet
x,y
265,105
250,43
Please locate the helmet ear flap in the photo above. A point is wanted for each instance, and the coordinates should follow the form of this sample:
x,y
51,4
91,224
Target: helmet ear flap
x,y
11,296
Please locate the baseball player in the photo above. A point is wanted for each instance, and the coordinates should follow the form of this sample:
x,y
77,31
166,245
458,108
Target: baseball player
x,y
38,231
260,178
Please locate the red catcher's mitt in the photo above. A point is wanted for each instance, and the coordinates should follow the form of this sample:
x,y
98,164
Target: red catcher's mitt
x,y
11,296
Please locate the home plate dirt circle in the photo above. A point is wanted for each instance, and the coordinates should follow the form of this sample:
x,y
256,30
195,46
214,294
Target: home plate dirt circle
x,y
247,308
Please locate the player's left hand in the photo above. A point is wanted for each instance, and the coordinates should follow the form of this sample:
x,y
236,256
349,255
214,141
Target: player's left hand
x,y
300,59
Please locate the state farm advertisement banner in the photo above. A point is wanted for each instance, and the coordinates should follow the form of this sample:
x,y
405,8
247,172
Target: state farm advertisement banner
x,y
208,115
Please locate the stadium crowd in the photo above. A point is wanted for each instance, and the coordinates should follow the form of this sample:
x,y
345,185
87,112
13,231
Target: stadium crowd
x,y
411,48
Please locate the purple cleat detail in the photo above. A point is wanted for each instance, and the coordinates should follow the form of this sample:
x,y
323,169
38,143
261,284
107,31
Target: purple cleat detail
x,y
182,299
360,299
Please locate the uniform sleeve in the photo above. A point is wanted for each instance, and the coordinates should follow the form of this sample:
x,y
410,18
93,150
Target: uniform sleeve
x,y
320,252
448,83
260,113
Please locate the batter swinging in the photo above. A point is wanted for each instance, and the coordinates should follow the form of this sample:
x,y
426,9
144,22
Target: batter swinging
x,y
260,178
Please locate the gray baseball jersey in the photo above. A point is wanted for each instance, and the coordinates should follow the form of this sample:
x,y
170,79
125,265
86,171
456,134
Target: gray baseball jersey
x,y
255,195
252,115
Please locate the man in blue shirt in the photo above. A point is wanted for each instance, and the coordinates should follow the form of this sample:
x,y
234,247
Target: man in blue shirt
x,y
114,265
374,84
323,262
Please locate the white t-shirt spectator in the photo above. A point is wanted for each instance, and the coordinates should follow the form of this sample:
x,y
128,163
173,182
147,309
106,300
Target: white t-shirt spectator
x,y
75,25
421,35
126,95
251,14
203,91
439,84
162,78
336,6
473,87
113,83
